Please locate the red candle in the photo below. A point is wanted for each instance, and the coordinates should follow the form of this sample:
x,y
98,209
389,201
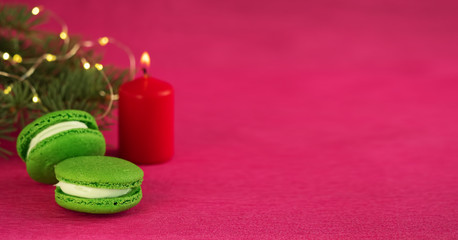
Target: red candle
x,y
146,119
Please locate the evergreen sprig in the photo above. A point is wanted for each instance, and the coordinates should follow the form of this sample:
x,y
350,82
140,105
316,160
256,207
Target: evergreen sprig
x,y
61,84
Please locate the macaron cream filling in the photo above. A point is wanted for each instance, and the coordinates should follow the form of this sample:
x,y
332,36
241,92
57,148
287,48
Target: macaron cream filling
x,y
53,130
90,192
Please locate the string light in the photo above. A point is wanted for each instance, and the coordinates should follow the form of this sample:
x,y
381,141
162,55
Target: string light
x,y
64,32
35,11
6,56
103,41
63,35
8,89
17,58
35,98
98,66
50,57
85,63
127,51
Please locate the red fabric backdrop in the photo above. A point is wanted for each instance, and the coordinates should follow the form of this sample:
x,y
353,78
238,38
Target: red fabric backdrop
x,y
294,120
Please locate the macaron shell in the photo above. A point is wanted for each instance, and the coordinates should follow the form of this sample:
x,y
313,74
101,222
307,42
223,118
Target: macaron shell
x,y
99,205
100,172
48,120
67,144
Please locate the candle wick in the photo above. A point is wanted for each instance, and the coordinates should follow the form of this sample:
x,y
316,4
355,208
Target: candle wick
x,y
144,72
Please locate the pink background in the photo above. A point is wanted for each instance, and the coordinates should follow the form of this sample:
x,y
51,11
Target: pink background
x,y
294,120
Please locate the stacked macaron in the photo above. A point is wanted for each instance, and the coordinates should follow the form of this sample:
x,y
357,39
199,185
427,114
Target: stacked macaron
x,y
67,146
98,184
55,137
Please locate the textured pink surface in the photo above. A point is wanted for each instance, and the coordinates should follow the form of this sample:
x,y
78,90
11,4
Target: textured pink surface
x,y
294,120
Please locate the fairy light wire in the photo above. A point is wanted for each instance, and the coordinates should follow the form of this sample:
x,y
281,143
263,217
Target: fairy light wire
x,y
64,32
112,98
34,66
129,54
36,62
13,60
103,41
8,89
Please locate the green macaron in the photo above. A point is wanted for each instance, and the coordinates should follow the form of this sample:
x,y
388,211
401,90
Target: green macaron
x,y
98,184
55,137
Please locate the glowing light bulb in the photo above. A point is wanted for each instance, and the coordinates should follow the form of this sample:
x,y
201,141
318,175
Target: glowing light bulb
x,y
35,10
50,57
8,89
6,56
63,35
86,65
103,41
35,98
98,66
17,58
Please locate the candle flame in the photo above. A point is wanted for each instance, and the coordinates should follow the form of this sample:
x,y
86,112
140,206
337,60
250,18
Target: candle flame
x,y
145,61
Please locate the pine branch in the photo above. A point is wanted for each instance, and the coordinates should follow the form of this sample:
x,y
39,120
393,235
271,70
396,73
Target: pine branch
x,y
59,84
